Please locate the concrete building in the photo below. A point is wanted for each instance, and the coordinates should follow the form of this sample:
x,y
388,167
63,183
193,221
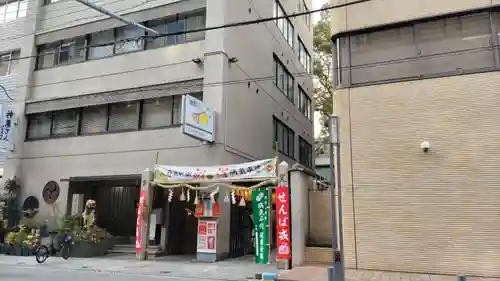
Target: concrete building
x,y
410,71
92,105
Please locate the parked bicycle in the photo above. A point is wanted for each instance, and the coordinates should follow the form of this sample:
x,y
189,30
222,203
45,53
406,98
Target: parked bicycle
x,y
43,252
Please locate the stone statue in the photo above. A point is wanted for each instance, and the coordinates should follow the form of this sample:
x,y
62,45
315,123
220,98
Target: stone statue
x,y
88,215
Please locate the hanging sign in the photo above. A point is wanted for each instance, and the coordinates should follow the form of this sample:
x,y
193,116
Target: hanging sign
x,y
207,236
260,206
138,227
198,119
256,169
283,244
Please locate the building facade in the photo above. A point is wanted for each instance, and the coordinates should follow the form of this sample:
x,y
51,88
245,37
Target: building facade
x,y
409,72
96,99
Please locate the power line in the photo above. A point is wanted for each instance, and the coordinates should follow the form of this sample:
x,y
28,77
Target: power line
x,y
236,24
74,12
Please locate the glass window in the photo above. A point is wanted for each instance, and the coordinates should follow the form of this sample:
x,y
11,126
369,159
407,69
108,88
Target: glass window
x,y
23,9
104,37
305,152
47,55
128,32
11,11
5,64
94,120
195,21
160,26
39,126
123,116
2,13
14,62
65,123
284,137
284,25
157,113
284,80
174,26
72,51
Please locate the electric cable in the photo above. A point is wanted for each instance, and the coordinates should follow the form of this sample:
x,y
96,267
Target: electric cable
x,y
235,24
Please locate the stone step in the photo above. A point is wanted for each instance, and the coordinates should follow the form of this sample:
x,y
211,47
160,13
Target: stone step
x,y
130,249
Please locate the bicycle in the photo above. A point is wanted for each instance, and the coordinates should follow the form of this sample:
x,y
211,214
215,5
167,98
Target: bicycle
x,y
43,252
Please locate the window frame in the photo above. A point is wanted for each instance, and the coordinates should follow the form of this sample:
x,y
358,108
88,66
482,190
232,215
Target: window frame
x,y
306,110
3,17
304,53
285,22
290,138
56,46
286,89
12,55
305,144
80,111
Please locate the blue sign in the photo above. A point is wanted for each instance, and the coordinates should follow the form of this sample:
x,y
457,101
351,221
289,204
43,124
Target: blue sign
x,y
197,119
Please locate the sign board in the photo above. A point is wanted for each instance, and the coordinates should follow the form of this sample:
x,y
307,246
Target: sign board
x,y
283,244
207,236
198,119
6,124
141,208
260,206
256,169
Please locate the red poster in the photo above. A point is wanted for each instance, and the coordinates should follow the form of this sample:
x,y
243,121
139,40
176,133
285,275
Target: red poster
x,y
283,223
138,226
198,210
202,228
216,210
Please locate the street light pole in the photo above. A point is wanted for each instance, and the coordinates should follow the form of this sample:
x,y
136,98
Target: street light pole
x,y
336,272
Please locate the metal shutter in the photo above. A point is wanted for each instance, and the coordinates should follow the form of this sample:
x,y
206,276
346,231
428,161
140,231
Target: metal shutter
x,y
65,122
94,119
123,117
157,112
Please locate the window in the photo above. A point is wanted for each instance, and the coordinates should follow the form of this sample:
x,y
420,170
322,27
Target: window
x,y
284,80
157,113
94,120
108,118
305,153
121,40
441,47
304,104
39,125
284,137
284,24
307,17
304,56
65,123
12,10
106,39
123,36
123,116
61,52
9,63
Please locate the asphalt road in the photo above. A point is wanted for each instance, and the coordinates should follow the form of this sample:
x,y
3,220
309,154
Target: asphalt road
x,y
44,273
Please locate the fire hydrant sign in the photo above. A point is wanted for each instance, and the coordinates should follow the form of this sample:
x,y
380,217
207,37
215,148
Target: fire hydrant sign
x,y
260,202
138,226
283,223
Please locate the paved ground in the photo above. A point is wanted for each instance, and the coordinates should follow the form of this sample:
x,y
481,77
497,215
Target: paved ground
x,y
171,267
319,273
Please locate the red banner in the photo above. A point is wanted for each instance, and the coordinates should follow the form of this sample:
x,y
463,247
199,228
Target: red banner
x,y
141,206
283,234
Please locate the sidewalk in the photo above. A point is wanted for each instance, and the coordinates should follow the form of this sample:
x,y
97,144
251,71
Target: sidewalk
x,y
234,269
319,273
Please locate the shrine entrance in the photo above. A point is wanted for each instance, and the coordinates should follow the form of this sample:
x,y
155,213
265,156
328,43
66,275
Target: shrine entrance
x,y
232,206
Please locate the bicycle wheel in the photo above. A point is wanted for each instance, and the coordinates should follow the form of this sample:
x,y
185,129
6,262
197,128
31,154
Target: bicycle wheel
x,y
66,251
42,253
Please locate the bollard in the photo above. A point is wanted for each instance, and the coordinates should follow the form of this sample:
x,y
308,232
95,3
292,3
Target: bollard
x,y
268,276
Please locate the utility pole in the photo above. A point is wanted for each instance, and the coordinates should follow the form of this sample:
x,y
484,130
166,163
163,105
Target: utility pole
x,y
115,16
336,272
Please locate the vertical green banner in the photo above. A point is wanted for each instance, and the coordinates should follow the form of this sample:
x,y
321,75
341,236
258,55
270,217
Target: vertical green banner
x,y
260,206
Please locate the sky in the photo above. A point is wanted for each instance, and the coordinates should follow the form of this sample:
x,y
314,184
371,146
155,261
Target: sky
x,y
316,5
